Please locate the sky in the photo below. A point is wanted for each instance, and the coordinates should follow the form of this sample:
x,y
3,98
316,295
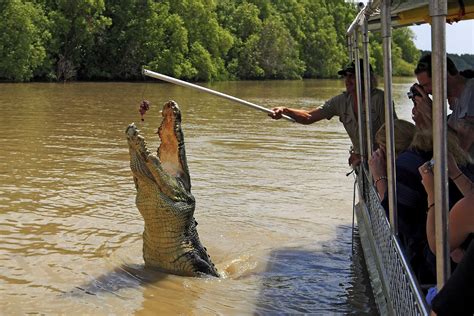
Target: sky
x,y
459,37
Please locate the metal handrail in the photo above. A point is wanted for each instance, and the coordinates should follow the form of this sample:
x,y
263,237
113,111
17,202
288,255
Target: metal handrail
x,y
392,266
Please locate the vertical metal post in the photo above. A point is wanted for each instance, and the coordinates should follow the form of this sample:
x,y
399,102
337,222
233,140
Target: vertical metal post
x,y
389,130
360,108
350,48
438,12
367,88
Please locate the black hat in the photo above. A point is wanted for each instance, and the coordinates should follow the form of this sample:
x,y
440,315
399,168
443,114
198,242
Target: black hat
x,y
350,68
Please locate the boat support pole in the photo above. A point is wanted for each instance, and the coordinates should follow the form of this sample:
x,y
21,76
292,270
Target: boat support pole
x,y
438,12
203,89
367,89
360,107
389,130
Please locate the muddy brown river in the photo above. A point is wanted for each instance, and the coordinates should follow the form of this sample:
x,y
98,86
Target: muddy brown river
x,y
274,204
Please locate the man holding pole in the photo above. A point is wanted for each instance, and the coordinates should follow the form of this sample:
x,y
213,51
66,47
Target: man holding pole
x,y
345,107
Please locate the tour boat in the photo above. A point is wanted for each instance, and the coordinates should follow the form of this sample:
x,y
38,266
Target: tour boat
x,y
395,287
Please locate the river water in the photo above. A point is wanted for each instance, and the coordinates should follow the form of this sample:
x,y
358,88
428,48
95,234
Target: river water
x,y
274,204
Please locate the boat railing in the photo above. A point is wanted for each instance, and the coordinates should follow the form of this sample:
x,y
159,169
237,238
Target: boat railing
x,y
401,290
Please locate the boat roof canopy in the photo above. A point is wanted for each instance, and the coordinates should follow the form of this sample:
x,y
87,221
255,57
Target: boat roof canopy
x,y
416,12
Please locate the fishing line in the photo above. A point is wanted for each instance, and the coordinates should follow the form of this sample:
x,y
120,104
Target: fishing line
x,y
144,104
146,85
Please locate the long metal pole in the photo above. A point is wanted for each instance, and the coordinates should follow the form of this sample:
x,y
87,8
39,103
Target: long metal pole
x,y
438,12
389,130
216,93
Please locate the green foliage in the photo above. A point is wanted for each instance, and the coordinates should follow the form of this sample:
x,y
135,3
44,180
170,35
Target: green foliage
x,y
201,60
169,48
246,64
265,7
278,54
376,52
321,51
343,14
209,42
400,67
75,26
403,38
201,40
23,39
404,53
243,22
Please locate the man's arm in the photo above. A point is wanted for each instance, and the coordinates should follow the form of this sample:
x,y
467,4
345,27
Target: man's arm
x,y
300,116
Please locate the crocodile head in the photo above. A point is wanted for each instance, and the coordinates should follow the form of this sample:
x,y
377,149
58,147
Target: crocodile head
x,y
171,154
163,184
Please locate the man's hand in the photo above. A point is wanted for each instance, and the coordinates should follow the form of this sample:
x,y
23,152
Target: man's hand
x,y
277,113
427,178
422,111
354,160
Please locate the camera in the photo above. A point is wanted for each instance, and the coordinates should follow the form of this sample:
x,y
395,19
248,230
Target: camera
x,y
430,164
413,92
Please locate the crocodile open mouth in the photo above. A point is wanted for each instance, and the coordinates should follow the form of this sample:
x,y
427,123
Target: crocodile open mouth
x,y
171,151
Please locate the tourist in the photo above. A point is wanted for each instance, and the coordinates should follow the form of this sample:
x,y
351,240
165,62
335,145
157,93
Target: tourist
x,y
403,136
460,91
461,216
411,197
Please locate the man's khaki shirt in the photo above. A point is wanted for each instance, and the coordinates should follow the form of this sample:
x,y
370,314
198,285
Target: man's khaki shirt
x,y
343,106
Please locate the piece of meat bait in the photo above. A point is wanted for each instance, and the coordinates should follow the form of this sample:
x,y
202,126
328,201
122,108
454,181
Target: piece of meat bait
x,y
144,106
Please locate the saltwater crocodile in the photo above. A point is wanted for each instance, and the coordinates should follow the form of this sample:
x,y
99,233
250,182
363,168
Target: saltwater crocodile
x,y
170,239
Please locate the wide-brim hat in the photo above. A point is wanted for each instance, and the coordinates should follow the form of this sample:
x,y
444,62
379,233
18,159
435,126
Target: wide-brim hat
x,y
350,68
